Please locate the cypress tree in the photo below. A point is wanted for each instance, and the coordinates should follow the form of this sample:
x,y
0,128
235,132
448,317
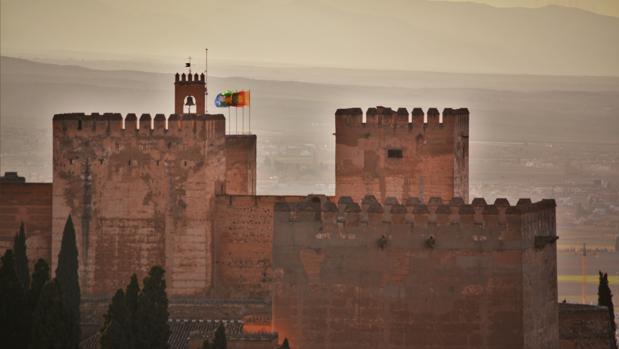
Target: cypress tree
x,y
116,331
40,276
132,294
50,329
21,259
285,345
12,304
206,344
68,280
151,317
605,298
131,298
220,342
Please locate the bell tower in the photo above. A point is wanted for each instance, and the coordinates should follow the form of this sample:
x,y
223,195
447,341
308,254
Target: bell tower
x,y
189,93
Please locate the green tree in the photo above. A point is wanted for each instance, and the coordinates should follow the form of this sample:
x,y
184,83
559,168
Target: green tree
x,y
21,259
605,298
285,345
50,329
219,341
116,331
151,317
12,304
68,280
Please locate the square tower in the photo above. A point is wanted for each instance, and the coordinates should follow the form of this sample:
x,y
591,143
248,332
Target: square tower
x,y
390,155
189,91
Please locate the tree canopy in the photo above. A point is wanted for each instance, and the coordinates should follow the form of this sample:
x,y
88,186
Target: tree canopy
x,y
605,298
151,317
21,258
68,281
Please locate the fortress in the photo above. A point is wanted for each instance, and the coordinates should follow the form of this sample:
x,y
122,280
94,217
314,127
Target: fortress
x,y
398,258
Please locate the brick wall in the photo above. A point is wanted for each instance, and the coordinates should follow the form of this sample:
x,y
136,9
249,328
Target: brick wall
x,y
243,244
30,203
241,164
403,276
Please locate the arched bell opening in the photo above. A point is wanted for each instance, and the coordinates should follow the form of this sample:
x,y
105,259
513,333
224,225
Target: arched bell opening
x,y
189,103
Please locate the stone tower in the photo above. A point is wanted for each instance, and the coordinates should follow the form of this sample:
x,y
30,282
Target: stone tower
x,y
189,85
392,155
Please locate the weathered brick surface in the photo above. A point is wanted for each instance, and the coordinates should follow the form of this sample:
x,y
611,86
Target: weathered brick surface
x,y
243,243
241,164
359,278
434,158
583,326
540,291
138,197
30,203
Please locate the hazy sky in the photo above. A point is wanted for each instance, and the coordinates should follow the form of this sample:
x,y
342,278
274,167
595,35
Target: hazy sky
x,y
605,7
367,34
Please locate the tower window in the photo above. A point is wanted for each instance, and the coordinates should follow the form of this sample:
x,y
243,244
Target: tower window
x,y
394,153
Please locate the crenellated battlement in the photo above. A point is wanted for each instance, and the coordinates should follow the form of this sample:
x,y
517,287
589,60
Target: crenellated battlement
x,y
412,206
387,117
107,122
189,78
389,152
478,221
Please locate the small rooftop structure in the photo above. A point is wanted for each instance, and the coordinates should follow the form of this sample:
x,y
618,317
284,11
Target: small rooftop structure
x,y
12,177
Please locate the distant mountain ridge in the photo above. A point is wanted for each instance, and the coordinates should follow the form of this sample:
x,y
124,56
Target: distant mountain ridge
x,y
395,34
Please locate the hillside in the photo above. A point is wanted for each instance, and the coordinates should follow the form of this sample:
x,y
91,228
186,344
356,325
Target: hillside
x,y
395,34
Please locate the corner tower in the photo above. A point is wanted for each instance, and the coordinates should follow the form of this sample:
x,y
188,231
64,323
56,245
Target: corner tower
x,y
189,93
394,154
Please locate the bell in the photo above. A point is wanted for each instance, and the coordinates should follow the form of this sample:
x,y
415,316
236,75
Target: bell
x,y
190,101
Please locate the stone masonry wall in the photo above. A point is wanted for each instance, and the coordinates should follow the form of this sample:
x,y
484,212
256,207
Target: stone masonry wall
x,y
30,203
241,164
243,244
434,154
583,326
539,269
435,275
138,196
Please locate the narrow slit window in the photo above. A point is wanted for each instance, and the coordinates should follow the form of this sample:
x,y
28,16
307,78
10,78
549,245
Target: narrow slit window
x,y
394,153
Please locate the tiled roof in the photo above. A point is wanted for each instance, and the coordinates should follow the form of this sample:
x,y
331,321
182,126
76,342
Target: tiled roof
x,y
181,330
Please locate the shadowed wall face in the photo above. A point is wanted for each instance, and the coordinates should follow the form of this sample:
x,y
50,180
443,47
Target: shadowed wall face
x,y
138,197
241,164
30,203
448,276
388,155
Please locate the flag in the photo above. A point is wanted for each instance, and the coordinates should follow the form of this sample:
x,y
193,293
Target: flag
x,y
228,98
187,65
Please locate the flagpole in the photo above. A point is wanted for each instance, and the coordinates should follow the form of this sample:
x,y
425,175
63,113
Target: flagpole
x,y
249,99
206,81
236,111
